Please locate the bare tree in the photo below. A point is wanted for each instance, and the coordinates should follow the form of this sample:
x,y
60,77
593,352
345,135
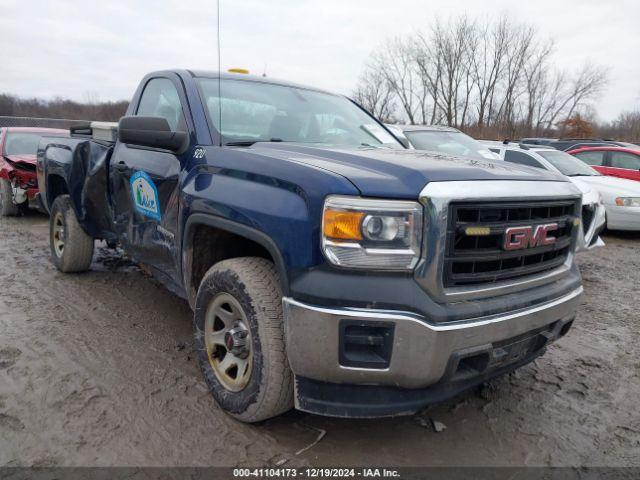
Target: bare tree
x,y
429,69
625,127
589,81
395,62
375,95
492,77
450,48
487,64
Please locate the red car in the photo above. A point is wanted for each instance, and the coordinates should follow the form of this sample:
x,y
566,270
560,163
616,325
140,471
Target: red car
x,y
619,162
18,181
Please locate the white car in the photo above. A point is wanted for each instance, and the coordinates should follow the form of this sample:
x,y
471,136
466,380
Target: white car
x,y
594,205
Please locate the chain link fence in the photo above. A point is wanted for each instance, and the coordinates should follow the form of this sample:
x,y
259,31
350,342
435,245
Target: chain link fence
x,y
38,122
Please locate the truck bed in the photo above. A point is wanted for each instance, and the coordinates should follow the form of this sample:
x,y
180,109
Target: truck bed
x,y
78,166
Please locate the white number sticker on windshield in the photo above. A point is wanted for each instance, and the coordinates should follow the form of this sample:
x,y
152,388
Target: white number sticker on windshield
x,y
378,133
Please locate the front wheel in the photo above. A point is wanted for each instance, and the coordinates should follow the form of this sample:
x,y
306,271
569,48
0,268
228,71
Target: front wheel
x,y
71,247
239,338
7,207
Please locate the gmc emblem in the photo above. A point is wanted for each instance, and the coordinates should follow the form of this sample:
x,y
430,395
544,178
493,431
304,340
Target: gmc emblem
x,y
517,238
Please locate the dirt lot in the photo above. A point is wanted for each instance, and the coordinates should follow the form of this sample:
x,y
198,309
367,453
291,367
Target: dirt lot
x,y
97,369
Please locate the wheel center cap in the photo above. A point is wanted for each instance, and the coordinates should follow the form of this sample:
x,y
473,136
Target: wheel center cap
x,y
236,342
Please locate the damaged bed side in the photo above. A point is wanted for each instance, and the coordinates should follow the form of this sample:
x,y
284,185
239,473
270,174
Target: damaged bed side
x,y
79,166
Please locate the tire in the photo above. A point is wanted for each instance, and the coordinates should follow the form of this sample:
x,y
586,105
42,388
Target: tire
x,y
7,207
251,284
71,247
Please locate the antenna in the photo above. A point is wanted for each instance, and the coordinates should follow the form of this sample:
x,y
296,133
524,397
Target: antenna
x,y
219,75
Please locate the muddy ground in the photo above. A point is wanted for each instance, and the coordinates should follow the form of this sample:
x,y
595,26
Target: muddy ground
x,y
97,369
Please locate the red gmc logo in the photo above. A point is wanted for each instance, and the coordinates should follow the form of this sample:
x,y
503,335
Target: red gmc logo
x,y
517,238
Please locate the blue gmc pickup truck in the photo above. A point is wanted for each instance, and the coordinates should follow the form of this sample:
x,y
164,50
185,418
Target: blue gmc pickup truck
x,y
328,267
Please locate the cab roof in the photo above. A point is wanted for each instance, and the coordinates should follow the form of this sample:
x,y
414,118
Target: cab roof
x,y
251,78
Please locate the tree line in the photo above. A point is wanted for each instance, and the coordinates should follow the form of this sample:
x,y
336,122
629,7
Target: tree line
x,y
13,106
491,78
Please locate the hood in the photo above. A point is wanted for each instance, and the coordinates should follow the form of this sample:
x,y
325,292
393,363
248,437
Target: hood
x,y
621,186
399,173
22,161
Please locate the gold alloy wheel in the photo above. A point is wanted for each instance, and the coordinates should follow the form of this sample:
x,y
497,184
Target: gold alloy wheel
x,y
228,341
58,234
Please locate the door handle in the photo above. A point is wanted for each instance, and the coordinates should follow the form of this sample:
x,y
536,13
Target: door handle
x,y
120,166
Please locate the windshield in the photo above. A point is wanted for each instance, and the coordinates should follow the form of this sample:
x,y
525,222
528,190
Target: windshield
x,y
21,143
454,143
568,165
254,111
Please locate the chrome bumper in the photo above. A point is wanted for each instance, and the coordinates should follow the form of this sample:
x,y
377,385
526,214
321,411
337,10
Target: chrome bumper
x,y
421,350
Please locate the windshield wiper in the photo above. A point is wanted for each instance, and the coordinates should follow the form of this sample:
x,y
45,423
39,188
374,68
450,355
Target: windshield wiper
x,y
248,143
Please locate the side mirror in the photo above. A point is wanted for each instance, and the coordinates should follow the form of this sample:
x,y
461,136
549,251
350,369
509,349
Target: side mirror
x,y
151,132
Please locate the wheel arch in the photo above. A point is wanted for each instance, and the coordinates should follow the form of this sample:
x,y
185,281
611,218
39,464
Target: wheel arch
x,y
245,238
56,186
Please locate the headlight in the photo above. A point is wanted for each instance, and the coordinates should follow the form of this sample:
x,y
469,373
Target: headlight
x,y
628,201
375,234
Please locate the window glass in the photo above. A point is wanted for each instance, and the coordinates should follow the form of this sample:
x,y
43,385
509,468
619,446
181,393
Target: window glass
x,y
256,111
567,164
21,143
160,99
514,156
591,158
625,160
454,143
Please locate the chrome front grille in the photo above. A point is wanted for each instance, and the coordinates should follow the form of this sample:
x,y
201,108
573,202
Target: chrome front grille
x,y
475,253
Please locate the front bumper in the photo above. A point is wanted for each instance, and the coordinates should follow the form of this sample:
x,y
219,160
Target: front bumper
x,y
591,238
423,353
623,218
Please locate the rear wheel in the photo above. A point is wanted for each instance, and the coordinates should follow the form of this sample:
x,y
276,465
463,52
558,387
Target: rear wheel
x,y
240,339
71,247
7,207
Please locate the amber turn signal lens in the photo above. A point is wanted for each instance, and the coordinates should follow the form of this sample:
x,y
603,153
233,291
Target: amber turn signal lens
x,y
342,225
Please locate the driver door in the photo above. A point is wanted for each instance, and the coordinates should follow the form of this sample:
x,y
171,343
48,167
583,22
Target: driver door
x,y
144,182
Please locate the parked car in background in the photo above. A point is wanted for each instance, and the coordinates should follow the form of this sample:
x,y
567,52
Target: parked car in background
x,y
620,197
566,144
618,162
18,180
447,140
538,140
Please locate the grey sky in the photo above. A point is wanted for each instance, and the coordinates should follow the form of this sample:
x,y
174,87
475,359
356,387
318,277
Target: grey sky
x,y
77,49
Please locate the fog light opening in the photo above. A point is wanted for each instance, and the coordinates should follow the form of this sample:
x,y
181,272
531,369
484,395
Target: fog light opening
x,y
565,329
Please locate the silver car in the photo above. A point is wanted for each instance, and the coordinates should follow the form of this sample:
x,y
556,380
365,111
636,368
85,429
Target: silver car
x,y
441,139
